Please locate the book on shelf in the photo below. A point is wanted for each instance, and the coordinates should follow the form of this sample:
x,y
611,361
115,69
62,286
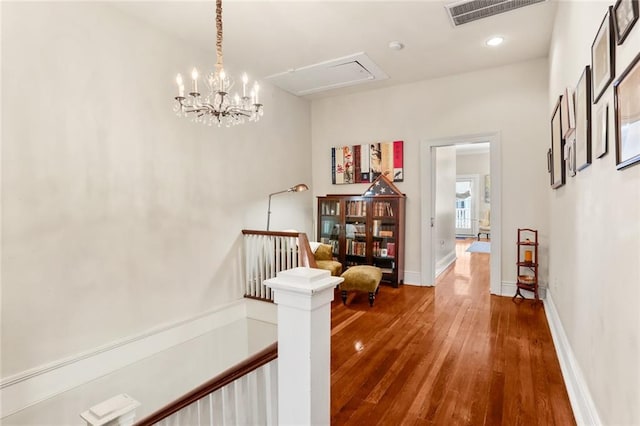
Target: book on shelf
x,y
376,228
391,249
383,208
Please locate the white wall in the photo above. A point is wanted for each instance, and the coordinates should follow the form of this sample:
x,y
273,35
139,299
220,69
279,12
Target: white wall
x,y
510,99
445,206
117,215
594,274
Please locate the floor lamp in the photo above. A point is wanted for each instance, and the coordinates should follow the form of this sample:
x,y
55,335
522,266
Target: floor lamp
x,y
298,188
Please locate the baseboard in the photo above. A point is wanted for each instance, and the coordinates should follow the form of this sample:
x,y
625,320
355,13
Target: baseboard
x,y
584,409
443,264
32,386
508,288
412,278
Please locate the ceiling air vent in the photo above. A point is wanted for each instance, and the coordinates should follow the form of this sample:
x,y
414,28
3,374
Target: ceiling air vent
x,y
463,12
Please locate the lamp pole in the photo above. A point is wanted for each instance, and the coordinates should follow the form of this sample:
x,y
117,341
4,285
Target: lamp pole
x,y
298,188
269,208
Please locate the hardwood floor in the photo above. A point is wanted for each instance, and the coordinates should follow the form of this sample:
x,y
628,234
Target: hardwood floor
x,y
449,355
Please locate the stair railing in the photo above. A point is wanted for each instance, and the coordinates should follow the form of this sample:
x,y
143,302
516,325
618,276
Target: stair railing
x,y
269,252
244,394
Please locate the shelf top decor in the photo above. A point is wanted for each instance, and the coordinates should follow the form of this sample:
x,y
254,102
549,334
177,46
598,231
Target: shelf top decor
x,y
382,187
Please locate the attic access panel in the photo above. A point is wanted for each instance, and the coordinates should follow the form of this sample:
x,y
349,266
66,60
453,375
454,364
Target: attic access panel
x,y
347,71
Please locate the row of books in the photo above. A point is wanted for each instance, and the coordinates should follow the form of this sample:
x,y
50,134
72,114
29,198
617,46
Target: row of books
x,y
357,248
330,208
382,208
356,208
380,230
389,249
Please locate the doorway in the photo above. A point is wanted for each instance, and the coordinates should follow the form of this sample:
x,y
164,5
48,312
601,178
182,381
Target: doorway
x,y
429,230
467,187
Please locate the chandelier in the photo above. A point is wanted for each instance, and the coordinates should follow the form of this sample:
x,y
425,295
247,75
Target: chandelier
x,y
216,105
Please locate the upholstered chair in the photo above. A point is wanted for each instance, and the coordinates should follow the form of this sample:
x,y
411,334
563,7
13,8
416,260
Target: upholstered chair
x,y
324,260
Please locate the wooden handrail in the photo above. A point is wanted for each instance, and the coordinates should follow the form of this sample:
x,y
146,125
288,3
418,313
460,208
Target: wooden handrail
x,y
274,233
245,367
306,257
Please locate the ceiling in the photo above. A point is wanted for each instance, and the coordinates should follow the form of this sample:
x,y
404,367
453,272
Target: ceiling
x,y
269,37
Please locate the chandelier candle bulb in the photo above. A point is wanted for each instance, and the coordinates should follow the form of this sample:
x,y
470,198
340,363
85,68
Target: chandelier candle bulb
x,y
256,89
223,77
245,80
194,76
180,85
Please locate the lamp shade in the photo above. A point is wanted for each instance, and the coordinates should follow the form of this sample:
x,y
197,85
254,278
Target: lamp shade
x,y
299,188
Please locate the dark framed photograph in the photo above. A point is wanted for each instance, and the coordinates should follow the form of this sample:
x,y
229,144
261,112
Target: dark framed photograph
x,y
627,107
583,120
557,148
625,15
601,131
603,56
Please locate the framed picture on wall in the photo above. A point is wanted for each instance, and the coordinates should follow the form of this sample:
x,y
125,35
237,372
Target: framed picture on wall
x,y
557,148
627,108
583,120
570,153
603,56
568,113
601,131
625,15
549,166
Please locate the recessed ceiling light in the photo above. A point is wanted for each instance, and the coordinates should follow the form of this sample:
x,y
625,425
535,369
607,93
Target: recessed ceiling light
x,y
495,41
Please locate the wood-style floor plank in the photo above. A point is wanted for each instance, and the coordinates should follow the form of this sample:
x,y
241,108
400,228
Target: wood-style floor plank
x,y
449,355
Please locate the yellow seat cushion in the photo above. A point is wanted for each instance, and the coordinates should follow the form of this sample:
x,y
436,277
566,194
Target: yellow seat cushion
x,y
361,278
330,265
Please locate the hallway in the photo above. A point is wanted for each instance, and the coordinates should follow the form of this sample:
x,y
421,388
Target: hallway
x,y
449,355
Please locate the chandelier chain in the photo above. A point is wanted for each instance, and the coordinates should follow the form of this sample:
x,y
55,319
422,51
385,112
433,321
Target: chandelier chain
x,y
219,62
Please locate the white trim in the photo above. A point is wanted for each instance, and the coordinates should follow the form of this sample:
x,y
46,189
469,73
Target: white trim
x,y
508,288
412,278
37,384
584,408
427,261
445,262
262,311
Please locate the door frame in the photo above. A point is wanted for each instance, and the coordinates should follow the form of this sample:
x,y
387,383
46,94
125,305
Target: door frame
x,y
427,191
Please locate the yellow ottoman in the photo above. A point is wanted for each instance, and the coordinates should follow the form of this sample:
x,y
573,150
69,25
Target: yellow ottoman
x,y
361,278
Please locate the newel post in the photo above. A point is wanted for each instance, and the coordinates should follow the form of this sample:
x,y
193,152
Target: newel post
x,y
304,296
